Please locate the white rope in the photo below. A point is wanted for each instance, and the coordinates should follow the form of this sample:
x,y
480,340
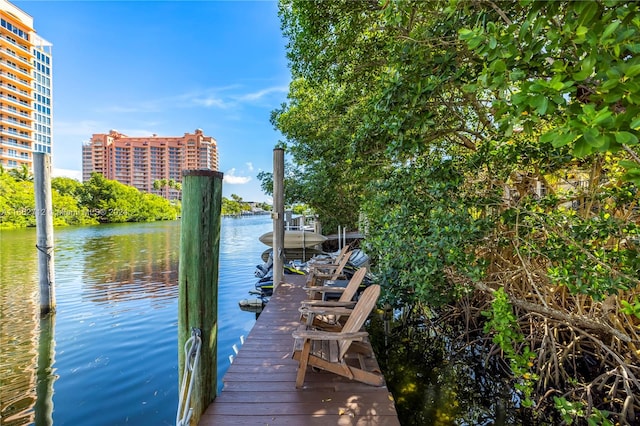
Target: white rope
x,y
235,349
191,358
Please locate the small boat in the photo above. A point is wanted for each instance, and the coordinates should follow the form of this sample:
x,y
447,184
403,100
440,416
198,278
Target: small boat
x,y
252,302
255,305
295,239
300,254
262,270
265,287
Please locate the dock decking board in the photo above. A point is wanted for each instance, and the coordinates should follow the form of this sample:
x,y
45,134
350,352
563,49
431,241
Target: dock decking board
x,y
259,386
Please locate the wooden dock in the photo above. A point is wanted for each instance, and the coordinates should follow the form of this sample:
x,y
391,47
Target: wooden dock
x,y
259,387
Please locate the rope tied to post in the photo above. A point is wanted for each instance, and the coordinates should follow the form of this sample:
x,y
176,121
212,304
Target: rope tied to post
x,y
47,250
192,357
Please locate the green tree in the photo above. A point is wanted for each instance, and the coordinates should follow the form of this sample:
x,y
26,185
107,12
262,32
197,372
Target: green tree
x,y
17,202
490,146
110,201
21,173
244,206
159,183
66,186
230,207
98,200
67,211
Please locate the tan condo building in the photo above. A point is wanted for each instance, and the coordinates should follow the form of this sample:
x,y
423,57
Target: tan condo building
x,y
141,161
26,98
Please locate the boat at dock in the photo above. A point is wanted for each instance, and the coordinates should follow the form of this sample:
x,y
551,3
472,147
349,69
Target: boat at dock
x,y
253,304
295,239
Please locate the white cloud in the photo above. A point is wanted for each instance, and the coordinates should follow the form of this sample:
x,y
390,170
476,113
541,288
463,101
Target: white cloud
x,y
256,96
211,98
250,166
83,128
73,174
230,97
211,101
231,178
226,97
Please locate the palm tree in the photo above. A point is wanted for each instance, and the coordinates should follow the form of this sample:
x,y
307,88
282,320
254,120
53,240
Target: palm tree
x,y
22,173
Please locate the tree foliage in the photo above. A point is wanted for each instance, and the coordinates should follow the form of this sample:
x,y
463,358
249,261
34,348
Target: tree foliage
x,y
490,146
236,206
110,201
98,200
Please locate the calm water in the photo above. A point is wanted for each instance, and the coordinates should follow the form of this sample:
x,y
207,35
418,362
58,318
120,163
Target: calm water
x,y
114,347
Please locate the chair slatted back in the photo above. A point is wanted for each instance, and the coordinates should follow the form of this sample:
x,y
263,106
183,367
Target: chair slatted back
x,y
341,265
341,254
352,286
359,315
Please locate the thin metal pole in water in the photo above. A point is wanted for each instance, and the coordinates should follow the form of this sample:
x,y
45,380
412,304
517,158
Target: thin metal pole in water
x,y
278,216
304,243
43,409
198,280
44,231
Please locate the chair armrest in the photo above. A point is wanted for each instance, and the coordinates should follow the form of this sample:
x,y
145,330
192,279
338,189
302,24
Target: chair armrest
x,y
325,289
323,268
328,303
325,310
322,275
328,335
323,264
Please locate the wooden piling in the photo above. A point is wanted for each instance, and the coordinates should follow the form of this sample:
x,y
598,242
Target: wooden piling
x,y
44,231
278,216
198,280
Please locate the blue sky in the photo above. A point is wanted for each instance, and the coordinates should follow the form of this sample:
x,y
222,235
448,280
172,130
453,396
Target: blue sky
x,y
167,67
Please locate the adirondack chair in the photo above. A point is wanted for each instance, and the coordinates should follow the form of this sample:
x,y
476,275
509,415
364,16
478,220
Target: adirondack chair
x,y
339,352
327,272
317,313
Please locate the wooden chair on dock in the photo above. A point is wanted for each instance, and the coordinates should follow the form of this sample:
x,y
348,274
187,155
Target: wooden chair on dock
x,y
318,313
344,352
327,272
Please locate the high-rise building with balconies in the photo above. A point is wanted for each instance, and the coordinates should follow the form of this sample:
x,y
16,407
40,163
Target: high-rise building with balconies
x,y
143,161
25,89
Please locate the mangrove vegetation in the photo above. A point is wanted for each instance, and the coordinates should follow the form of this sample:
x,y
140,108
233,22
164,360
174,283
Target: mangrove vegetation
x,y
99,200
489,152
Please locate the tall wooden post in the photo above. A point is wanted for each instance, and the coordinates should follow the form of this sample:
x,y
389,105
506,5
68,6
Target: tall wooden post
x,y
278,216
198,280
44,231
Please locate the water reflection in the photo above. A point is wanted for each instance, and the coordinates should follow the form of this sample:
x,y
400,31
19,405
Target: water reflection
x,y
117,267
45,371
122,266
18,326
115,346
437,380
